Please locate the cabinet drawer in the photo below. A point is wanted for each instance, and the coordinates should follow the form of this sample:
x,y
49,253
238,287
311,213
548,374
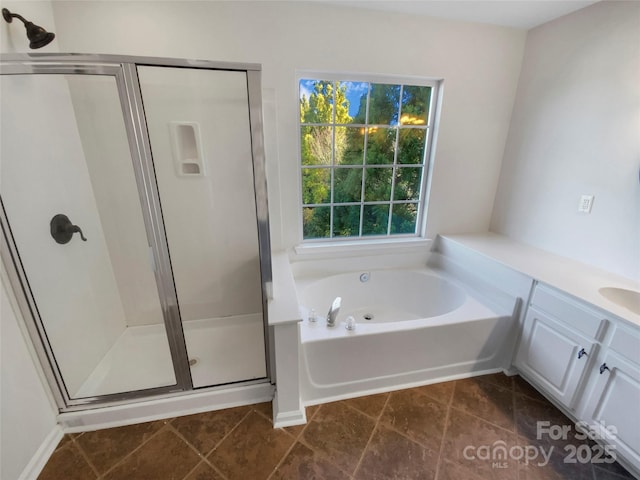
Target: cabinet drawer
x,y
626,342
568,311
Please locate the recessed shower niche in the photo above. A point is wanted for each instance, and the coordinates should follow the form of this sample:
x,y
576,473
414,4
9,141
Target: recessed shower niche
x,y
151,173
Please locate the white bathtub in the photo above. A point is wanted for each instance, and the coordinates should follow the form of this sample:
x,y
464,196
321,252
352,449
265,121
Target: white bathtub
x,y
424,328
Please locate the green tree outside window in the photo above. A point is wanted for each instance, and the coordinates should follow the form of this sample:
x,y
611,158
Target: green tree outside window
x,y
387,133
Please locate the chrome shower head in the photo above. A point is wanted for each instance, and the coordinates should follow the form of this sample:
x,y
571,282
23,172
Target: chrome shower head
x,y
38,36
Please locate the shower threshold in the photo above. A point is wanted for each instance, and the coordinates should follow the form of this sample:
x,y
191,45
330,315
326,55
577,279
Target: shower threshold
x,y
221,350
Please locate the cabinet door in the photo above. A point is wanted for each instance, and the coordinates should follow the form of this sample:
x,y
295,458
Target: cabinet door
x,y
613,408
553,356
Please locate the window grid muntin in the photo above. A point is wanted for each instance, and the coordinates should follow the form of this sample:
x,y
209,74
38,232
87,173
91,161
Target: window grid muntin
x,y
395,163
420,202
364,160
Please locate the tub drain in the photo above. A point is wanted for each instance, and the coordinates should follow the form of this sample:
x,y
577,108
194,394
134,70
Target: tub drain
x,y
368,316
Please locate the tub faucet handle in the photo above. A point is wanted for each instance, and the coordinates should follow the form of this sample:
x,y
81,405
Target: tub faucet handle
x,y
333,312
350,323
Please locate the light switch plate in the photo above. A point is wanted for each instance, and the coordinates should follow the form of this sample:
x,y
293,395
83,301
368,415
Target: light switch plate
x,y
586,202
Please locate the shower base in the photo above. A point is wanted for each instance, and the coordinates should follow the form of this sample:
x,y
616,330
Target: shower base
x,y
222,350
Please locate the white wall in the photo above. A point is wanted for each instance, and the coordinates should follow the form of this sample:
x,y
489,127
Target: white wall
x,y
13,37
479,63
576,130
27,415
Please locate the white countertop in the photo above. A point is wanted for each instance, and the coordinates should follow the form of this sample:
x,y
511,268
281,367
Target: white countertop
x,y
575,278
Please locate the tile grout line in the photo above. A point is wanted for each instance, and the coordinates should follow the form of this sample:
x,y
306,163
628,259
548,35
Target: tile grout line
x,y
184,439
86,457
144,442
403,434
391,427
378,418
313,416
206,456
263,415
322,455
515,424
365,413
195,467
444,432
202,457
515,432
296,439
284,456
215,469
375,428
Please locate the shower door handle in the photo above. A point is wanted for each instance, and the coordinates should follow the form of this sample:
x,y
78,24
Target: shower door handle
x,y
62,229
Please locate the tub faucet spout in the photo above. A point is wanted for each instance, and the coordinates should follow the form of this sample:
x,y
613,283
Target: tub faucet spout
x,y
333,312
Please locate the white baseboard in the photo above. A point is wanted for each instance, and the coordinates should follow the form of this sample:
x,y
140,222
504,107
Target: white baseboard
x,y
158,409
288,418
42,455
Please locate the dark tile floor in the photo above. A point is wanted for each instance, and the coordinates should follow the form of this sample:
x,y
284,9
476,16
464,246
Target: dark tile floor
x,y
447,431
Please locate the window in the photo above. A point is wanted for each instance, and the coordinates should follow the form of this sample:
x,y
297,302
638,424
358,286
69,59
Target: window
x,y
364,150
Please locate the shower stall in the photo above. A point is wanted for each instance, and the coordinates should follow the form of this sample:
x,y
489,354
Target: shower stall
x,y
135,223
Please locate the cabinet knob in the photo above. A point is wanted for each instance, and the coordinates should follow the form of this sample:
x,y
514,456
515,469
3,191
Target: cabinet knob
x,y
582,353
603,367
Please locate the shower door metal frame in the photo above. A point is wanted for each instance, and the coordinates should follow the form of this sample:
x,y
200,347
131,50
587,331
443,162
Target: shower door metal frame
x,y
124,69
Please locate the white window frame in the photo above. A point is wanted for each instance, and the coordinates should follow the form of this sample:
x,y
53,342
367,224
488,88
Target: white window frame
x,y
372,242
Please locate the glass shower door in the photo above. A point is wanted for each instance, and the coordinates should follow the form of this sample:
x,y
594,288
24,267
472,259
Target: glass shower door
x,y
73,209
199,129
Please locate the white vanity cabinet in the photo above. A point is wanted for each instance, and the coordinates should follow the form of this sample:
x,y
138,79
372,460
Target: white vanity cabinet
x,y
568,314
559,343
611,406
589,362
